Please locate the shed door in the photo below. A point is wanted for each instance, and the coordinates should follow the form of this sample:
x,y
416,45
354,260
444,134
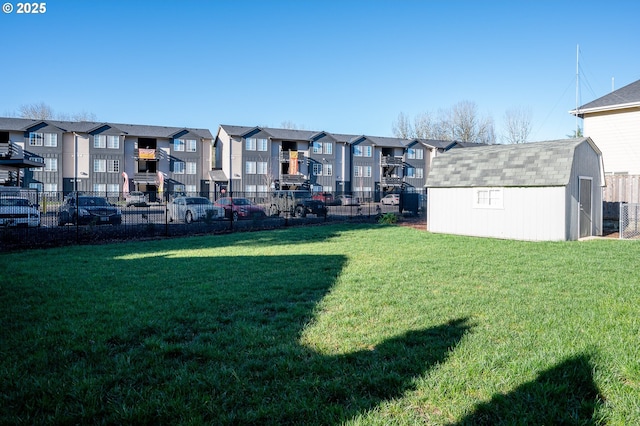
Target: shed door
x,y
585,207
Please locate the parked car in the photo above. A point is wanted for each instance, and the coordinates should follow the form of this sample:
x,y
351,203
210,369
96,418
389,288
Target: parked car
x,y
325,197
18,211
192,209
135,198
390,200
295,203
90,209
240,208
346,200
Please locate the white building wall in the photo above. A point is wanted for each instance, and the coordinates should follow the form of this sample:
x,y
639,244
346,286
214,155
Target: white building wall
x,y
618,137
531,213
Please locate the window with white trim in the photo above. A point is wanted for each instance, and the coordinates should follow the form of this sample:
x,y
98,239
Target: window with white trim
x,y
262,189
178,167
50,187
328,169
488,198
415,153
317,147
191,167
36,139
178,145
113,189
261,145
250,167
113,166
317,169
250,144
411,172
367,150
113,141
367,171
250,188
261,167
51,140
99,141
190,189
100,188
328,148
99,165
191,145
357,171
419,172
50,164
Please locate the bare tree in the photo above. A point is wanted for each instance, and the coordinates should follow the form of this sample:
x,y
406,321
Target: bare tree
x,y
517,123
402,127
37,111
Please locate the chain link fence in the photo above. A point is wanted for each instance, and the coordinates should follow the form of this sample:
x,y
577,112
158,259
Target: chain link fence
x,y
629,226
31,219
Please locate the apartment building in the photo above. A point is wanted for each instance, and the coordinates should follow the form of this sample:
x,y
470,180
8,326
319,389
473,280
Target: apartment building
x,y
106,158
258,159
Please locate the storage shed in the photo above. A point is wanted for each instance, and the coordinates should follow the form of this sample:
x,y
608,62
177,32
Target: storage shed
x,y
541,191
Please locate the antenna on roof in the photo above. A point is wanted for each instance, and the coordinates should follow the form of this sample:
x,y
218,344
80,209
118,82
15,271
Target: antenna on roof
x,y
577,84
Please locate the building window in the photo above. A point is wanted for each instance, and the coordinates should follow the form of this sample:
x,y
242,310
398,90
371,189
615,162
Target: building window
x,y
51,139
411,172
99,166
328,148
113,166
419,172
250,144
36,139
113,189
250,188
415,154
327,188
328,169
50,187
250,167
367,171
99,141
357,151
178,188
190,189
100,188
317,169
178,144
357,171
261,167
191,145
191,167
262,145
488,198
113,142
317,147
178,167
262,189
50,164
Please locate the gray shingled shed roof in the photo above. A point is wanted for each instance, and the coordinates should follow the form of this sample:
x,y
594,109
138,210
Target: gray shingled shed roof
x,y
531,164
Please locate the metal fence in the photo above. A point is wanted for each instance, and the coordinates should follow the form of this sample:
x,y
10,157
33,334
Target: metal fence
x,y
629,225
50,219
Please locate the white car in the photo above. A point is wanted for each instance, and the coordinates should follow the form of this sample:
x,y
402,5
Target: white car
x,y
191,209
136,198
18,211
390,199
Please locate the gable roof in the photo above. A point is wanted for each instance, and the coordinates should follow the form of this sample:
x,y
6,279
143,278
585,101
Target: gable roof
x,y
531,164
625,97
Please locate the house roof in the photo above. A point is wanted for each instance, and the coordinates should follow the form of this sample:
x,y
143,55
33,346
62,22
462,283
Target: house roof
x,y
531,164
625,97
21,124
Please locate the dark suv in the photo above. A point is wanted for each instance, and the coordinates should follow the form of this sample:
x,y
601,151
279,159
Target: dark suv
x,y
89,209
295,203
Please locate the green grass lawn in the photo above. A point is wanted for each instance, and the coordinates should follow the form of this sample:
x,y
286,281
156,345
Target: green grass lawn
x,y
355,324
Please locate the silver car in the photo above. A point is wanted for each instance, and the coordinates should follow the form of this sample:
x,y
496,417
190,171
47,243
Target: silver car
x,y
18,211
191,209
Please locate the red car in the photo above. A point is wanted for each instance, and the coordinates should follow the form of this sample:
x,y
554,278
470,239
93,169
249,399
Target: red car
x,y
240,208
325,197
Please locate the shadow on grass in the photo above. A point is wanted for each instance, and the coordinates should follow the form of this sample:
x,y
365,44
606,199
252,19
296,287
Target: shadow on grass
x,y
565,394
194,340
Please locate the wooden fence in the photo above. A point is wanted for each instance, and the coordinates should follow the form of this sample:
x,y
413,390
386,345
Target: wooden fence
x,y
622,188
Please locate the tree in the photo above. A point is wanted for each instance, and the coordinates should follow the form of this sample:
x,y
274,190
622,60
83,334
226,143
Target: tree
x,y
42,111
402,127
576,133
517,123
37,111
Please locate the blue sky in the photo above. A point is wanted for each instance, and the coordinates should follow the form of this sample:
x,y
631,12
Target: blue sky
x,y
340,66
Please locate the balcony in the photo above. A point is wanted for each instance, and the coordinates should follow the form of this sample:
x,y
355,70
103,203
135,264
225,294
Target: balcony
x,y
292,179
388,160
391,181
146,177
9,150
286,158
146,154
